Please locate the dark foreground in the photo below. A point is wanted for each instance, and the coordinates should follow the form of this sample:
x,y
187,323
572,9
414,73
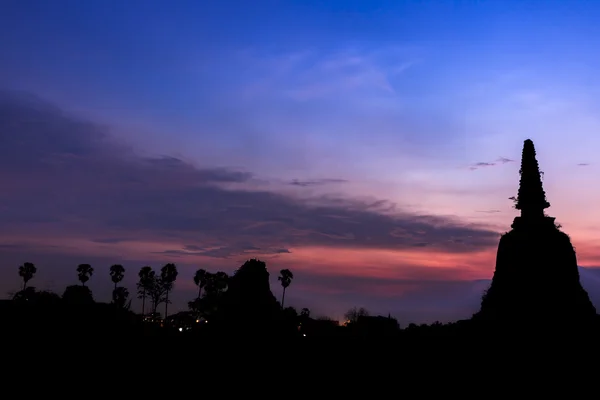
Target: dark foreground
x,y
101,320
242,358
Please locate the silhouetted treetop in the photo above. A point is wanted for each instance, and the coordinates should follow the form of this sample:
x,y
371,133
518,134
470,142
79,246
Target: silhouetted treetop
x,y
155,290
117,273
147,277
78,295
353,314
531,199
32,296
200,278
286,276
216,283
26,272
168,275
25,295
84,272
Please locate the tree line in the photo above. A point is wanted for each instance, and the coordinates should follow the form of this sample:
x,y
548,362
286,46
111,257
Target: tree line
x,y
156,286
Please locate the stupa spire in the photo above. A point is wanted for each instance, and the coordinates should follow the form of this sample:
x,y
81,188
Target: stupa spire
x,y
536,281
531,199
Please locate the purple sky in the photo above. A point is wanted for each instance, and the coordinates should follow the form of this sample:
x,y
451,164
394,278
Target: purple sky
x,y
369,146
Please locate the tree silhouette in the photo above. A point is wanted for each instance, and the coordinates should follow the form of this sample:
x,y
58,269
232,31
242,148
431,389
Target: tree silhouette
x,y
168,275
353,314
305,313
155,290
117,272
147,276
78,295
200,279
25,295
41,298
216,283
84,272
27,271
120,295
195,306
285,278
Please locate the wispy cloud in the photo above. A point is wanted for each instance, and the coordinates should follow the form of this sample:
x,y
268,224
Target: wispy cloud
x,y
68,176
316,74
504,160
499,161
481,165
314,182
247,251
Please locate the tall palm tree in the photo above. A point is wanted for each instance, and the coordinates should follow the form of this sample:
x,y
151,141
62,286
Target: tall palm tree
x,y
168,274
84,272
200,279
285,277
146,275
117,272
27,271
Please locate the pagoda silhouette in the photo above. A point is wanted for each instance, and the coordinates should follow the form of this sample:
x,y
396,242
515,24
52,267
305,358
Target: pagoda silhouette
x,y
536,280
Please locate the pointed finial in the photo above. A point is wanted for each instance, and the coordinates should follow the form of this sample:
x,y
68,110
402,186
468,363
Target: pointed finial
x,y
531,199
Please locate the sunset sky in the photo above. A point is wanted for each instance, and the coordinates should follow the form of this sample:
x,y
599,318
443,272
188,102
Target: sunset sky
x,y
369,146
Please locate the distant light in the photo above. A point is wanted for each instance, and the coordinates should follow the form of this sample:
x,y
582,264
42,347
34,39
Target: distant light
x,y
180,329
197,320
304,334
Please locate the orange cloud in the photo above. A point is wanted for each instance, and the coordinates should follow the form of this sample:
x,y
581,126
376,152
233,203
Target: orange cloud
x,y
390,264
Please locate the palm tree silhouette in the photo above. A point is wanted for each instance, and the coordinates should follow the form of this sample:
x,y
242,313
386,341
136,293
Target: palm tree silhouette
x,y
285,278
27,271
200,279
146,275
84,272
117,272
168,274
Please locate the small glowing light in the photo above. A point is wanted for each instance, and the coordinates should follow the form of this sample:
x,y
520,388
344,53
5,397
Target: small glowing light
x,y
304,334
180,329
197,320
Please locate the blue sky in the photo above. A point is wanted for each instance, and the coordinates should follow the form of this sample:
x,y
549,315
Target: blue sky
x,y
382,101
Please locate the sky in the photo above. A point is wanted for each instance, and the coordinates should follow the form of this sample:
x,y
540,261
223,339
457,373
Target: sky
x,y
368,146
